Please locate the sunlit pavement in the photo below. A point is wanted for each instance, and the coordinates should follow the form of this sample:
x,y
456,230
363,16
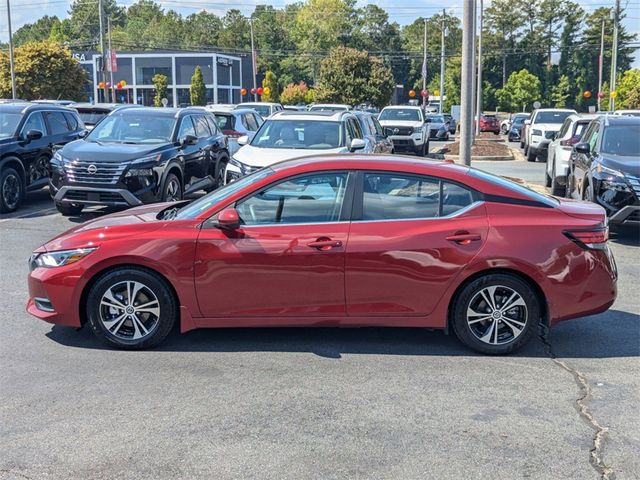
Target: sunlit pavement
x,y
310,403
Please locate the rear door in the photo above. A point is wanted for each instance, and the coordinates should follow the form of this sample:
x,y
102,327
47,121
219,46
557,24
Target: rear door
x,y
410,237
36,153
191,153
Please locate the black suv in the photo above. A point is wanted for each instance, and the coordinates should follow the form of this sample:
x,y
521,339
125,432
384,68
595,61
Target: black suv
x,y
29,133
605,167
140,155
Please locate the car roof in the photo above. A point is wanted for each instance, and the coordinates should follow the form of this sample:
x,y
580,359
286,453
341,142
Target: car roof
x,y
255,103
307,115
556,110
104,106
165,112
25,107
404,107
618,119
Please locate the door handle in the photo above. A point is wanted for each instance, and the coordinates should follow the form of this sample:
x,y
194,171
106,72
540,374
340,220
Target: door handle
x,y
464,238
325,244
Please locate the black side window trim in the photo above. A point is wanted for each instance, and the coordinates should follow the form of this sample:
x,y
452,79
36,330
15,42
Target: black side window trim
x,y
487,197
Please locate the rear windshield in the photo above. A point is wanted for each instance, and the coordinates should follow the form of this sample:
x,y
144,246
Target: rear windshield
x,y
579,129
264,110
92,116
225,121
514,187
622,140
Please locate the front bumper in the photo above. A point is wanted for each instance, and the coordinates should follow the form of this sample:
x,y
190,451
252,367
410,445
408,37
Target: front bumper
x,y
52,285
402,142
117,197
629,215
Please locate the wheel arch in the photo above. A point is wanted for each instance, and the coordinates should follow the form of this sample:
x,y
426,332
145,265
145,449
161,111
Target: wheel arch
x,y
542,299
11,160
177,171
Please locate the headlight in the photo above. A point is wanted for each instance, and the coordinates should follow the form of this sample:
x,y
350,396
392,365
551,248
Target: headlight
x,y
142,167
608,171
417,129
152,159
59,258
537,133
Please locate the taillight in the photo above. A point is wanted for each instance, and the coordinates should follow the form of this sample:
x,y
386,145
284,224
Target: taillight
x,y
570,142
232,133
593,238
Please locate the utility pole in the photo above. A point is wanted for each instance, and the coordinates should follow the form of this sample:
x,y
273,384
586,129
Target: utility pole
x,y
424,66
479,86
466,87
474,20
254,65
11,65
103,65
600,62
442,65
614,56
113,87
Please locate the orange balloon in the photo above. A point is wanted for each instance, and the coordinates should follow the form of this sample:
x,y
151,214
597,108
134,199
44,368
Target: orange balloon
x,y
243,91
101,85
412,93
587,94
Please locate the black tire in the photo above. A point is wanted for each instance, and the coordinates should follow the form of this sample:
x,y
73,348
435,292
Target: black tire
x,y
531,157
420,151
172,190
220,172
11,190
158,326
556,189
505,284
69,209
504,130
521,144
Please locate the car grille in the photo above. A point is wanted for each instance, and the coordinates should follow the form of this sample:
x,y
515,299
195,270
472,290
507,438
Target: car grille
x,y
634,217
635,184
95,197
401,130
549,135
95,171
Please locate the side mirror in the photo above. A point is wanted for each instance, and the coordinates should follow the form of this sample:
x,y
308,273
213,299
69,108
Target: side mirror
x,y
356,144
83,133
228,219
189,140
33,135
527,122
427,120
582,147
243,140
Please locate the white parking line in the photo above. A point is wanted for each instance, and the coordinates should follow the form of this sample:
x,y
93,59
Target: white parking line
x,y
41,212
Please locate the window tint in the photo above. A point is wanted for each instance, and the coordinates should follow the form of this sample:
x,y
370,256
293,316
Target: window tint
x,y
378,127
622,140
564,128
202,127
212,124
398,196
57,123
594,136
356,128
579,129
307,199
186,128
34,122
249,122
72,120
259,120
454,198
225,121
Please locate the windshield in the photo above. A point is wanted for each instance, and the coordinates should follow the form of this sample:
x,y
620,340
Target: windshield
x,y
203,204
552,117
264,110
134,127
328,108
622,140
91,117
408,114
299,134
9,123
514,187
436,118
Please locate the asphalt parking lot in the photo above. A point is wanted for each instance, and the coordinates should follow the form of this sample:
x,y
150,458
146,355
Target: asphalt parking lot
x,y
315,403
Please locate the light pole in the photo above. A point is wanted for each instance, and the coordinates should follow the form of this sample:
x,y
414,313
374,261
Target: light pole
x,y
253,62
479,86
600,62
11,65
614,56
103,65
466,87
424,66
442,65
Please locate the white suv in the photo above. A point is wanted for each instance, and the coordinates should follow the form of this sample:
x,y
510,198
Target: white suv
x,y
541,128
406,126
290,134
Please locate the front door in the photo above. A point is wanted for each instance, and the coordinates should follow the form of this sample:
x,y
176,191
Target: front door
x,y
410,236
286,259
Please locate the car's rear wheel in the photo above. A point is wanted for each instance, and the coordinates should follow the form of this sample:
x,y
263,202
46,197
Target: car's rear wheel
x,y
556,189
131,308
11,190
495,314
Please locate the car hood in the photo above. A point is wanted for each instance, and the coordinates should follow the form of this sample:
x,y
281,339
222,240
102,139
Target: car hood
x,y
400,123
85,150
133,221
624,164
547,127
7,141
263,157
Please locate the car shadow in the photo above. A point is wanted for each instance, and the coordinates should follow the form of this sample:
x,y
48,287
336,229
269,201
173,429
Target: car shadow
x,y
623,235
609,335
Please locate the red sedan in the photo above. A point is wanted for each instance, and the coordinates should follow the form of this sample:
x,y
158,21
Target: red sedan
x,y
334,241
489,123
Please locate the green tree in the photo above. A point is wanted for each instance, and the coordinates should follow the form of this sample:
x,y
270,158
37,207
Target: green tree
x,y
201,29
235,32
43,70
629,90
58,33
35,32
160,84
519,93
560,92
352,77
198,91
504,21
84,24
270,81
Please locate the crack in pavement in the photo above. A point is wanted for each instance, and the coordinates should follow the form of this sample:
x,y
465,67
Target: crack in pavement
x,y
599,439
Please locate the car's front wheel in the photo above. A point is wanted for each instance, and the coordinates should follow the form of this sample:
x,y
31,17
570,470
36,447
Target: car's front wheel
x,y
172,190
11,191
495,314
131,308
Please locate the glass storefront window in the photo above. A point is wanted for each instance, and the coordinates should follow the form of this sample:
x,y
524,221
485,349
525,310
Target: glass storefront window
x,y
124,71
235,70
224,71
148,67
186,66
223,95
236,95
145,97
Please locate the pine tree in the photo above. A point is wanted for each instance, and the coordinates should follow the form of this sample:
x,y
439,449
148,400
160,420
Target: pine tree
x,y
198,91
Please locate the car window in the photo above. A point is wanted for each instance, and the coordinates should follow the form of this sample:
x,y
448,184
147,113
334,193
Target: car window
x,y
593,137
564,128
409,114
249,122
579,129
621,140
391,196
8,123
259,120
212,124
354,128
378,127
202,127
34,122
315,198
57,123
454,198
225,121
72,121
551,117
299,134
186,128
134,127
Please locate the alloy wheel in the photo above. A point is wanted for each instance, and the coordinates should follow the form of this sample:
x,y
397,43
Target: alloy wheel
x,y
129,310
11,191
497,315
173,191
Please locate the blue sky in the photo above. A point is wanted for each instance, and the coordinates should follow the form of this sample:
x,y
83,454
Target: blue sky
x,y
403,12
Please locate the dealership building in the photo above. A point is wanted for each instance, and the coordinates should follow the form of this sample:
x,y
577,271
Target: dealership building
x,y
224,75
